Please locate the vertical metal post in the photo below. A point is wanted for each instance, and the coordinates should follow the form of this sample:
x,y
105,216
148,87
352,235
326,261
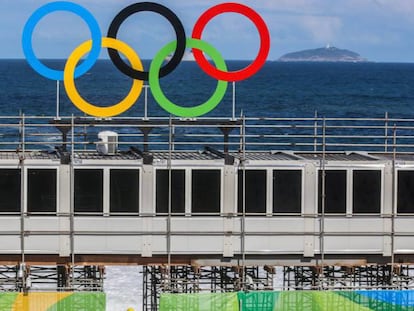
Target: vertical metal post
x,y
241,137
315,132
172,137
169,204
22,198
146,102
323,202
394,176
72,202
243,224
386,132
234,102
57,99
144,287
23,133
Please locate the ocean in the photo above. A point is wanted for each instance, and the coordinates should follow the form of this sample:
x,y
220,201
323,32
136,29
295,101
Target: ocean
x,y
278,90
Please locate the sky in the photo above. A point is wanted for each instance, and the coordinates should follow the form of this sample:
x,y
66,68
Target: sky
x,y
379,30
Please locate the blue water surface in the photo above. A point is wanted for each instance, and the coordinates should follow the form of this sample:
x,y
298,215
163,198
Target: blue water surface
x,y
278,90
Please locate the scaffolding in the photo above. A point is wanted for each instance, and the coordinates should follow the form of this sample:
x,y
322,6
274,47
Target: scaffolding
x,y
9,281
197,279
226,279
348,277
22,278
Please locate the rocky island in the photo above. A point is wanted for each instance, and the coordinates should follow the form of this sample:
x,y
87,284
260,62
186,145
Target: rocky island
x,y
326,54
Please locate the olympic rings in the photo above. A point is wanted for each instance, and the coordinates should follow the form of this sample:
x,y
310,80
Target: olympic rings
x,y
42,12
264,37
163,11
90,109
135,70
169,106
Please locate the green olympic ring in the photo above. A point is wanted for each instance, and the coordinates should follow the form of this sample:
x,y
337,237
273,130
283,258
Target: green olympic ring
x,y
168,105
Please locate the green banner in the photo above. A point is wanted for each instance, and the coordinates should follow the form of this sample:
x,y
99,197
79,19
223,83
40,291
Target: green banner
x,y
199,302
368,300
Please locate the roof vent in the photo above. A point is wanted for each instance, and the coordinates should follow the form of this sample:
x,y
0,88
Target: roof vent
x,y
108,142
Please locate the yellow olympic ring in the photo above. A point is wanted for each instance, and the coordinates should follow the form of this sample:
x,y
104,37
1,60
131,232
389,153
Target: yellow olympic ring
x,y
82,104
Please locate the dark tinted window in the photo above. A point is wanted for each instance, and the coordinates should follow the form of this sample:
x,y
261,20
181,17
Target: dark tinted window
x,y
177,191
88,191
9,191
335,190
124,194
405,192
205,196
255,186
287,191
41,191
366,191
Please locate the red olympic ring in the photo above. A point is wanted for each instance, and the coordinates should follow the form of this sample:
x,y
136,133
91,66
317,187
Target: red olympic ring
x,y
264,44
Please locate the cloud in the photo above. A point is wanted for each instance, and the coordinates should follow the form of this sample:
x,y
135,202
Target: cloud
x,y
323,29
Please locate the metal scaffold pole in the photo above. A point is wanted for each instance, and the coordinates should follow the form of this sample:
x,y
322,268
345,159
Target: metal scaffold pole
x,y
22,268
72,202
386,133
234,102
315,133
146,102
243,224
394,199
323,204
57,99
170,147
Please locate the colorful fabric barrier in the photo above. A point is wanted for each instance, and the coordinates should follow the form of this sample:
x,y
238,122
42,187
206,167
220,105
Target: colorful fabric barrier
x,y
328,300
54,301
372,300
199,302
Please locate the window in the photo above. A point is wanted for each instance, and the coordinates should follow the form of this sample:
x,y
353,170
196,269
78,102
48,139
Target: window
x,y
405,191
366,191
124,191
41,190
287,191
335,191
177,191
255,191
88,191
10,191
205,194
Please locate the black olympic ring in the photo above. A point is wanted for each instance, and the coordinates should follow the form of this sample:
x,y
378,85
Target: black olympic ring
x,y
163,11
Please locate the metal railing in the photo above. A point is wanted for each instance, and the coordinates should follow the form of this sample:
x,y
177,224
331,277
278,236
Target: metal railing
x,y
258,134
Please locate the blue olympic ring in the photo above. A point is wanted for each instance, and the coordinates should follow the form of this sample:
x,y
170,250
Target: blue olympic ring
x,y
93,25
